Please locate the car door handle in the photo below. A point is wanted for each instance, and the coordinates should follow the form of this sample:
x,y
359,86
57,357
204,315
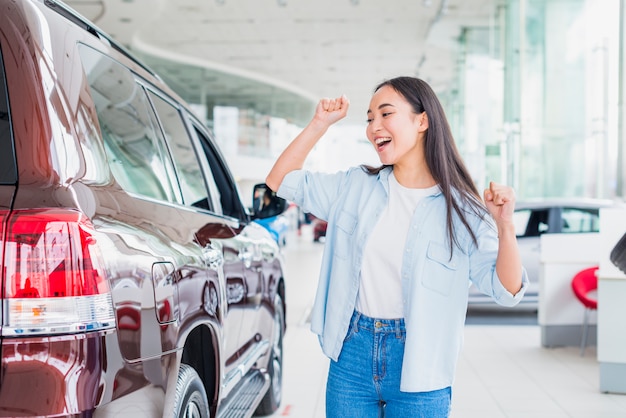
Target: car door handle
x,y
213,257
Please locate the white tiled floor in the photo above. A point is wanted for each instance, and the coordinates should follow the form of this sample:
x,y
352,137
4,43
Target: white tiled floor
x,y
503,370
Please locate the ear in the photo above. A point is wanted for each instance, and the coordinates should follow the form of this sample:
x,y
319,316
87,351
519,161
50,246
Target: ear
x,y
422,122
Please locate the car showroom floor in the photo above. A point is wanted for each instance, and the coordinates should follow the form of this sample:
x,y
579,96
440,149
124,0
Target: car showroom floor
x,y
503,370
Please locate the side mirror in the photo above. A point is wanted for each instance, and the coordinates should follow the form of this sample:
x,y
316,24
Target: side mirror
x,y
265,203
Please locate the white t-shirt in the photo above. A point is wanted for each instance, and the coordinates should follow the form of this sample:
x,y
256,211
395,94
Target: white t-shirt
x,y
380,290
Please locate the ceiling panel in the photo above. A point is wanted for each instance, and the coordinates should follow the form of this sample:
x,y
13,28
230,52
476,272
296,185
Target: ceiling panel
x,y
295,51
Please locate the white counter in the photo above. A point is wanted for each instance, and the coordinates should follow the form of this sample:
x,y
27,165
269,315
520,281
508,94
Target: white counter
x,y
560,314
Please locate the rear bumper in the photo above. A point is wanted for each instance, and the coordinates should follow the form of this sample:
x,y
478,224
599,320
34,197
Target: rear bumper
x,y
63,375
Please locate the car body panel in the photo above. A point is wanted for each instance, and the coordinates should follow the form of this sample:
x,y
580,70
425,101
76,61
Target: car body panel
x,y
278,226
174,269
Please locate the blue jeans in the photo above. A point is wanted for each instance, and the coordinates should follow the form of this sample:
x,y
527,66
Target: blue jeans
x,y
365,381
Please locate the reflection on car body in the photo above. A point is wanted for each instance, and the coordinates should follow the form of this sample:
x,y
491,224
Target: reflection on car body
x,y
319,228
278,226
133,277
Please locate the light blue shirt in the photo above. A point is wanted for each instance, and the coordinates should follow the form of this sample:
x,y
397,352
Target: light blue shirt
x,y
435,286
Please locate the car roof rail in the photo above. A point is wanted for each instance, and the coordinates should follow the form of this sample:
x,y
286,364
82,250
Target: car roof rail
x,y
72,15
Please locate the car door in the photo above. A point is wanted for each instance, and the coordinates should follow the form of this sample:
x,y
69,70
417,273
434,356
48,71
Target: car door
x,y
222,263
251,254
252,269
243,259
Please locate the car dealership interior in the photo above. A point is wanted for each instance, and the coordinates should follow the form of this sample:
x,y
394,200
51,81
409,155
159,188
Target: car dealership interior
x,y
535,93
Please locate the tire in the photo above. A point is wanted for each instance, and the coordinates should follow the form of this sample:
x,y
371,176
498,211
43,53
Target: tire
x,y
271,401
191,400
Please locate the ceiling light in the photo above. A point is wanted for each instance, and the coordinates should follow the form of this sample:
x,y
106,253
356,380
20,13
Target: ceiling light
x,y
282,3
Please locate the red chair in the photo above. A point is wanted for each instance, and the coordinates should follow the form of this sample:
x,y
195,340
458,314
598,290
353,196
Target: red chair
x,y
583,283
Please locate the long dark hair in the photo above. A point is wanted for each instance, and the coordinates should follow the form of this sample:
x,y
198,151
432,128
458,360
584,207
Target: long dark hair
x,y
441,154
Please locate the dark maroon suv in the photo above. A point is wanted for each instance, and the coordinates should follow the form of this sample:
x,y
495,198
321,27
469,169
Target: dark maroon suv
x,y
133,280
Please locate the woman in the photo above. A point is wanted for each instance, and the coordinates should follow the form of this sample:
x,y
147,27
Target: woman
x,y
404,240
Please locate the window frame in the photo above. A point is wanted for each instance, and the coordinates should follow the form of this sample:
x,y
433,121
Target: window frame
x,y
196,127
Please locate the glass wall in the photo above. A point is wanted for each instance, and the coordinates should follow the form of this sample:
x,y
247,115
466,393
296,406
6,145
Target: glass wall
x,y
539,98
476,113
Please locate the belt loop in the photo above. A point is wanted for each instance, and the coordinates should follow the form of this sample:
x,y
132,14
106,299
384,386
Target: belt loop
x,y
355,320
398,329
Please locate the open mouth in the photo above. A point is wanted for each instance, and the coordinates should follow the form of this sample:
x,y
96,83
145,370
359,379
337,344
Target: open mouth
x,y
382,142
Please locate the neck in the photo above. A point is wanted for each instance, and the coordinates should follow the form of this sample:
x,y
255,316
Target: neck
x,y
414,176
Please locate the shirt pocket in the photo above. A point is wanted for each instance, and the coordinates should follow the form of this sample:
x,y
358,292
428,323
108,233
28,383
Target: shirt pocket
x,y
440,270
346,225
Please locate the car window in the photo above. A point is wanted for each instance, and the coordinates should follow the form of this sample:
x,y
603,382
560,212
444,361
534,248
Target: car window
x,y
575,220
8,169
530,222
188,169
228,193
137,154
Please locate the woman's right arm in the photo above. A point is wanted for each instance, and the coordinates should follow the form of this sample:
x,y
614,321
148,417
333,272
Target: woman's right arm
x,y
327,112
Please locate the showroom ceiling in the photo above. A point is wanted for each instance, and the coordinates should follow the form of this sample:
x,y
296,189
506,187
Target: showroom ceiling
x,y
280,56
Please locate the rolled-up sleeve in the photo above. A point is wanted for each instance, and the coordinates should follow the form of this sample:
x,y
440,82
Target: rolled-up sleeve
x,y
504,297
289,187
483,268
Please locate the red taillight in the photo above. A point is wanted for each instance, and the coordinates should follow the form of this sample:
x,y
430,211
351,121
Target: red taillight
x,y
54,279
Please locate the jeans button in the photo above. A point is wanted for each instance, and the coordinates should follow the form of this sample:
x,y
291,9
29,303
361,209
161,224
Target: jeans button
x,y
378,324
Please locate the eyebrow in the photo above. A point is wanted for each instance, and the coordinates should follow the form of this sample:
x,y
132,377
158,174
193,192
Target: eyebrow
x,y
380,106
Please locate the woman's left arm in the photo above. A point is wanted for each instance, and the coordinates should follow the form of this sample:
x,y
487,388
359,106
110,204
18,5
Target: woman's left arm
x,y
500,201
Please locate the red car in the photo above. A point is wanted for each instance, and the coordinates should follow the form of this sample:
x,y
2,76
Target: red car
x,y
133,278
319,229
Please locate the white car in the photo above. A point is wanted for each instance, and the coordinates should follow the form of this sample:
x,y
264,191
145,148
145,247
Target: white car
x,y
548,216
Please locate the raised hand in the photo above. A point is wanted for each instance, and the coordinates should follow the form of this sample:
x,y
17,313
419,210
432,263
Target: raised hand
x,y
500,201
329,111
